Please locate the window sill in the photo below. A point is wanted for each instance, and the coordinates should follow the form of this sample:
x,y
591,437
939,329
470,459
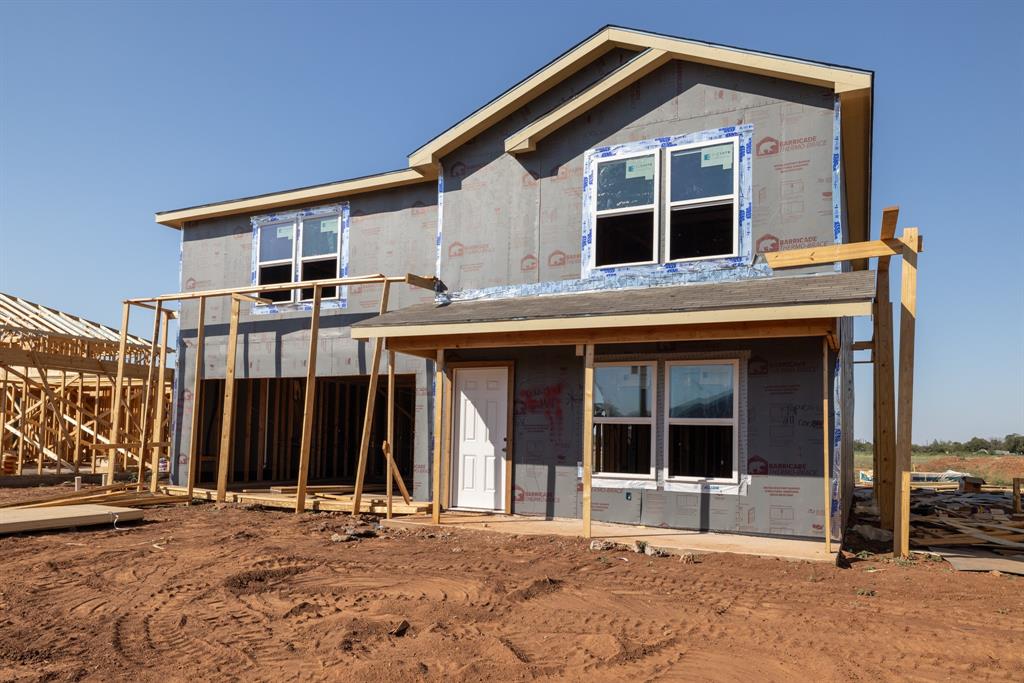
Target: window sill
x,y
623,481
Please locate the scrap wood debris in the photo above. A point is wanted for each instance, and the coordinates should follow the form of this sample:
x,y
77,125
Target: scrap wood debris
x,y
975,531
121,495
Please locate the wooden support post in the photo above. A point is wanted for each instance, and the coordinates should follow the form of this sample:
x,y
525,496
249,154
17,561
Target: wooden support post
x,y
1017,482
308,403
158,421
438,422
390,437
197,386
826,444
371,396
588,434
78,426
21,425
3,417
885,401
904,424
147,396
42,433
116,394
227,423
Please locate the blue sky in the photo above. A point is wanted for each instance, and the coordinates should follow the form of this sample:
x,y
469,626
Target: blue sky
x,y
111,111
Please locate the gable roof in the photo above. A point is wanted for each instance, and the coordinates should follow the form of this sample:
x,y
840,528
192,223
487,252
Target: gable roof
x,y
654,50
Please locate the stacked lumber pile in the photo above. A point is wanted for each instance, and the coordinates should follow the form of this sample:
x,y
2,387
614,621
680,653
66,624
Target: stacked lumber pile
x,y
121,495
984,520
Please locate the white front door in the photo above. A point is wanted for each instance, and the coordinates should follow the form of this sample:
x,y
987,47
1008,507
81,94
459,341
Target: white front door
x,y
480,431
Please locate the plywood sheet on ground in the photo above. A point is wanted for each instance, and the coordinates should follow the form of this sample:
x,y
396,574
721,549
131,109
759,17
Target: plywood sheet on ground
x,y
19,520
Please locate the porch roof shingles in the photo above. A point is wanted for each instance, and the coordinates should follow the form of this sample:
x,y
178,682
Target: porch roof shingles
x,y
832,288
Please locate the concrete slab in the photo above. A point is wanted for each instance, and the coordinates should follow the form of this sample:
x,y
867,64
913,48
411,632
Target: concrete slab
x,y
674,541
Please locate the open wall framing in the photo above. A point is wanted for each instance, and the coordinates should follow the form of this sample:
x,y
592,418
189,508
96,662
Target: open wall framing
x,y
59,376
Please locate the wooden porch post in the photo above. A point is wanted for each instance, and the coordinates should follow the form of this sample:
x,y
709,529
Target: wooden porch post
x,y
161,402
308,402
228,415
904,426
438,422
588,433
194,460
371,397
115,410
885,403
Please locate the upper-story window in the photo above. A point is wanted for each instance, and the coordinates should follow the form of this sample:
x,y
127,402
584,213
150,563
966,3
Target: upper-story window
x,y
299,248
693,214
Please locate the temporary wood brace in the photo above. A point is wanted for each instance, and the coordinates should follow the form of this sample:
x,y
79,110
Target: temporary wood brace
x,y
891,492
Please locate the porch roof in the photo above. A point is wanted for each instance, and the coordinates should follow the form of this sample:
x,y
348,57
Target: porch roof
x,y
803,297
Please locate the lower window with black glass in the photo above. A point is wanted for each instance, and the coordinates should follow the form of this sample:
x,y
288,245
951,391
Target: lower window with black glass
x,y
624,419
701,420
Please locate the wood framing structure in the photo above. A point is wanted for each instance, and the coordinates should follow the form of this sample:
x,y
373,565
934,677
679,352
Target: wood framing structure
x,y
252,295
66,381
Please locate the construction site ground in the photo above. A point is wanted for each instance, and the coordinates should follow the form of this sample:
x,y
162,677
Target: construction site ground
x,y
244,593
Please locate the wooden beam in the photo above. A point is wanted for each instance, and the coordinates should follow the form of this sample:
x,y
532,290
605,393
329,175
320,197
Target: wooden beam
x,y
863,345
438,421
197,387
904,424
588,435
309,402
371,397
424,346
55,362
826,444
586,322
158,421
227,423
831,253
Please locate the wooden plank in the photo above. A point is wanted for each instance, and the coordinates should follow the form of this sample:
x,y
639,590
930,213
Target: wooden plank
x,y
904,424
308,402
826,444
438,421
371,397
588,435
1017,483
228,415
20,520
831,253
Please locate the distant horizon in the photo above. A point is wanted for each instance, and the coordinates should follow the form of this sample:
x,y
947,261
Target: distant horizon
x,y
148,107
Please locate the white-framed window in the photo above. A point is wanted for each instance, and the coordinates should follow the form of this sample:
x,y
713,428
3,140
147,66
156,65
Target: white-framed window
x,y
319,257
299,250
637,219
275,255
626,189
702,421
702,200
624,414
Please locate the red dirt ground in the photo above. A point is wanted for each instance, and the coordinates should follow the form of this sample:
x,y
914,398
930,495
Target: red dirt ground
x,y
202,592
